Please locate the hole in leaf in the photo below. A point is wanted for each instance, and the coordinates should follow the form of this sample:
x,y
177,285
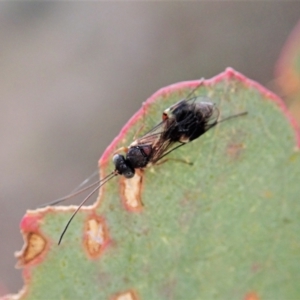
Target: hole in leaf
x,y
34,245
96,236
128,295
252,296
131,191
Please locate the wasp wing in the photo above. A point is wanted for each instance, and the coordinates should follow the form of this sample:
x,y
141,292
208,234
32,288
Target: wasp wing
x,y
151,137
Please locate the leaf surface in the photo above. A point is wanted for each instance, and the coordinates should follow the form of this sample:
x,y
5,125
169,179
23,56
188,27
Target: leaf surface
x,y
226,227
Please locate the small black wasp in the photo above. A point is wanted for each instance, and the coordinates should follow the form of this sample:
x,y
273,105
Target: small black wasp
x,y
181,123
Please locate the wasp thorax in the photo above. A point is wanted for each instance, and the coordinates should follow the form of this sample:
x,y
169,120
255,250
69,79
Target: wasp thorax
x,y
123,166
139,156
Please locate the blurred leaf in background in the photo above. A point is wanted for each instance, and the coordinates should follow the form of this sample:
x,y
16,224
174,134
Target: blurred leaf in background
x,y
287,73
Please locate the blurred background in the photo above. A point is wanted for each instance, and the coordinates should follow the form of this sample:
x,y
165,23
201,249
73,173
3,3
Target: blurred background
x,y
72,74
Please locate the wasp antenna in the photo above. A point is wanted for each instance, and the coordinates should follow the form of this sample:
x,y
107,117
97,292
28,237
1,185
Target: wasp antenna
x,y
76,191
107,178
85,181
70,195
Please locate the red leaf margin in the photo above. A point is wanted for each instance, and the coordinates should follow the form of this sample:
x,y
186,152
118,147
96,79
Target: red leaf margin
x,y
228,74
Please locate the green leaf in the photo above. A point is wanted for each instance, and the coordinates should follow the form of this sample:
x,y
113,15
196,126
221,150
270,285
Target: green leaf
x,y
226,227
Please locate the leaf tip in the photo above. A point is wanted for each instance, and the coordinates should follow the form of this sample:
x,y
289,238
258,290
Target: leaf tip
x,y
230,74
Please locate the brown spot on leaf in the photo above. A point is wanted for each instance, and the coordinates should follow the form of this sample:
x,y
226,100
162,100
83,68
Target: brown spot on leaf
x,y
96,237
234,150
256,267
252,296
131,191
34,246
267,194
128,295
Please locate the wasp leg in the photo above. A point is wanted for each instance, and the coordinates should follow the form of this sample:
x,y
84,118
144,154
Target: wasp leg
x,y
138,131
120,150
143,123
174,159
